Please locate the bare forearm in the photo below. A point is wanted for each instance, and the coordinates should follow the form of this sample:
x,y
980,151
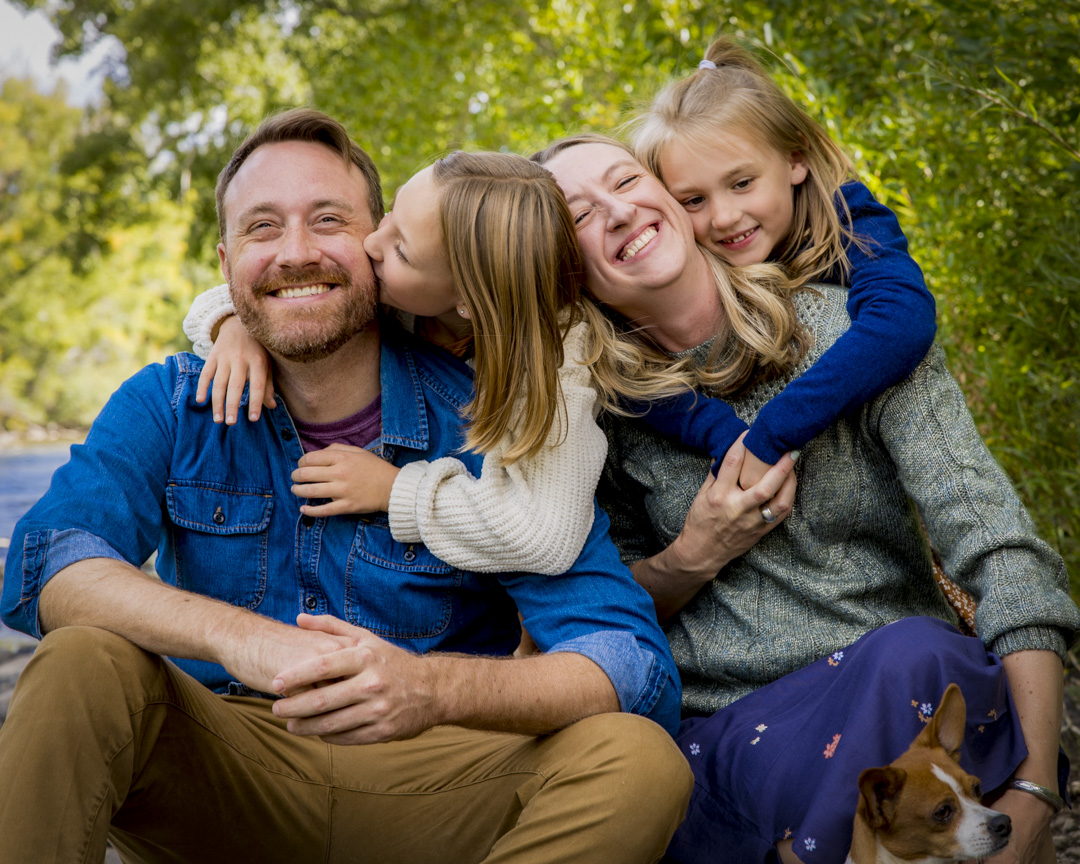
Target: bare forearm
x,y
113,595
1036,681
380,692
670,583
531,695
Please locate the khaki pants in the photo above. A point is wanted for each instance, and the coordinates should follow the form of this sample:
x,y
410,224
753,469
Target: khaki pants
x,y
104,739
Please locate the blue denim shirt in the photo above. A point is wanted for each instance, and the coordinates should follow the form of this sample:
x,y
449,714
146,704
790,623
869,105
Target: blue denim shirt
x,y
157,473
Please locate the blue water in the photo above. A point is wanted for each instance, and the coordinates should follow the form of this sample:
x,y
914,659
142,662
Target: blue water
x,y
25,473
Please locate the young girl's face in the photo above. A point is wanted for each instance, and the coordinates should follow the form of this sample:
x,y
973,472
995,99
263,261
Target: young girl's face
x,y
740,195
408,252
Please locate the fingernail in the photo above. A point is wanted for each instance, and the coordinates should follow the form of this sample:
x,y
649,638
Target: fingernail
x,y
795,454
251,416
278,685
230,419
217,418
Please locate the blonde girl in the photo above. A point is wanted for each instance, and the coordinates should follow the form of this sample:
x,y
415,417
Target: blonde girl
x,y
763,182
481,252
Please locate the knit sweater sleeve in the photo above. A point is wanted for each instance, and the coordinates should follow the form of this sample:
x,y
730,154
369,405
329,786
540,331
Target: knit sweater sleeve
x,y
698,421
533,515
892,328
207,311
975,519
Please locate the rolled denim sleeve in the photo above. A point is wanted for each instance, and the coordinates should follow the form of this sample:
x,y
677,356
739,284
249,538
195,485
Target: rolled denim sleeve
x,y
44,554
640,680
596,609
105,502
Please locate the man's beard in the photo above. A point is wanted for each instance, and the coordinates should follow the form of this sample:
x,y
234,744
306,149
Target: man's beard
x,y
306,334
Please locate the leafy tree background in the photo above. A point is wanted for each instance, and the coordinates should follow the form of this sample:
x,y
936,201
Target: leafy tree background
x,y
962,115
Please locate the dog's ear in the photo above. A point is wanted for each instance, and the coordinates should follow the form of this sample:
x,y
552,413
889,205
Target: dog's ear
x,y
949,720
880,788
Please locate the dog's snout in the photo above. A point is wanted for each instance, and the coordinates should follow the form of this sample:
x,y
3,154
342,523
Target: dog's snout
x,y
1001,826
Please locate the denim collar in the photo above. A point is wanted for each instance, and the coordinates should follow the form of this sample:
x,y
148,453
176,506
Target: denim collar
x,y
407,367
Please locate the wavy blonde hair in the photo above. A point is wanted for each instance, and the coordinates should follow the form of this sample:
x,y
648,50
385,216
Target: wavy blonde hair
x,y
516,264
768,339
740,97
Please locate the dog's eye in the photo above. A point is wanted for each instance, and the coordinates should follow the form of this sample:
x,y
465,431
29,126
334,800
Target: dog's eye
x,y
944,813
976,791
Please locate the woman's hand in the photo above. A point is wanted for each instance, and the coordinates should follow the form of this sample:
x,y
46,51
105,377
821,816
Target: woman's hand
x,y
1030,841
235,359
723,522
356,481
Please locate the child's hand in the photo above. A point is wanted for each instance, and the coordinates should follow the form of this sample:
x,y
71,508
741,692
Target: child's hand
x,y
235,358
753,469
356,481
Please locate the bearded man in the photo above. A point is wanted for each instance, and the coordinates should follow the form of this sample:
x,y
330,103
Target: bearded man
x,y
331,694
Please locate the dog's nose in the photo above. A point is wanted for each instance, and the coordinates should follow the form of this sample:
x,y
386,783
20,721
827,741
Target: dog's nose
x,y
1001,826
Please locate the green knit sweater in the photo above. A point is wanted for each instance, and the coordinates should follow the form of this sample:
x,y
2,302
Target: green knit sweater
x,y
852,556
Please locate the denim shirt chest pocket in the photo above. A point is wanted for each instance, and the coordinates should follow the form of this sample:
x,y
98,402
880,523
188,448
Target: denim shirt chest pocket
x,y
397,590
220,535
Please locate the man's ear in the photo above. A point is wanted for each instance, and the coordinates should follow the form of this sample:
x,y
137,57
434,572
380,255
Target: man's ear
x,y
224,259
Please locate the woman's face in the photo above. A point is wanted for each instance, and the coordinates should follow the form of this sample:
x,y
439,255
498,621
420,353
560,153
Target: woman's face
x,y
636,238
408,252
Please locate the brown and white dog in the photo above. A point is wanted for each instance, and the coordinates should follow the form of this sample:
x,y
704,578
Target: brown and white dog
x,y
924,808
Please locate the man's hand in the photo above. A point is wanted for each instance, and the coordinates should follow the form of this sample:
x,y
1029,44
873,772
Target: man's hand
x,y
367,692
257,655
235,359
356,481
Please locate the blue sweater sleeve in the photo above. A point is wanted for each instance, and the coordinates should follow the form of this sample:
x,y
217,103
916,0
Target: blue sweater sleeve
x,y
892,328
700,422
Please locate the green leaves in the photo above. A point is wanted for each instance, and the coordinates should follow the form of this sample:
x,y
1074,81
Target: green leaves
x,y
962,116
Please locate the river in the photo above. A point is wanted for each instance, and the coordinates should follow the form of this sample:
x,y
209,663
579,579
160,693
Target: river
x,y
25,472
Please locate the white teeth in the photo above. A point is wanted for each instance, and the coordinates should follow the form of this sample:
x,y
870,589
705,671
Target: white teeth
x,y
739,238
642,239
302,291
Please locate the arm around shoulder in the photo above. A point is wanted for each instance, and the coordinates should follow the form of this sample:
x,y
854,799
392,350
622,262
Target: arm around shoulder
x,y
207,312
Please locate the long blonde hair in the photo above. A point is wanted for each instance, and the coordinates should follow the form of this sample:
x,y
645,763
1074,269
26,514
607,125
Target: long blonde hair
x,y
516,264
739,96
758,313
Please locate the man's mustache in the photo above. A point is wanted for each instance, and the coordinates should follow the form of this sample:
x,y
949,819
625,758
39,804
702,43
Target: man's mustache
x,y
314,275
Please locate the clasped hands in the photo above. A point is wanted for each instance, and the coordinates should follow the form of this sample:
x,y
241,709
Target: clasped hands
x,y
353,688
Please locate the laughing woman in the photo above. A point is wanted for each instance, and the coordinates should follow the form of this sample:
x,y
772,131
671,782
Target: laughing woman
x,y
824,649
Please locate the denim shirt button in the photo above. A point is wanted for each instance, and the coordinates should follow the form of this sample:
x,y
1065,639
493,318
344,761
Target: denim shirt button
x,y
286,435
307,521
410,554
310,601
218,516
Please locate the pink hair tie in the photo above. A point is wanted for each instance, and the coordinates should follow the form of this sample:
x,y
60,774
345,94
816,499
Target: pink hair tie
x,y
706,64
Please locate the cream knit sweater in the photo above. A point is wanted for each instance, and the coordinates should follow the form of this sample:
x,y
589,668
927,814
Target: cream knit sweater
x,y
533,515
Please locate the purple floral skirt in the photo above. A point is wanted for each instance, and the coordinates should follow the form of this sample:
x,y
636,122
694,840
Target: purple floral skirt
x,y
783,762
